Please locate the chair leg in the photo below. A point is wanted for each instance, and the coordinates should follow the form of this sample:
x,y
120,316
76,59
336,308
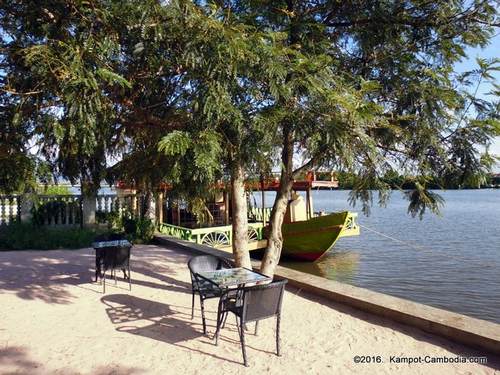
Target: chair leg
x,y
97,267
256,327
224,322
114,271
104,282
241,329
220,318
203,315
129,278
192,304
278,320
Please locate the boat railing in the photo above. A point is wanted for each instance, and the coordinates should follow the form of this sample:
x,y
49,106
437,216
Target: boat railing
x,y
351,227
218,236
259,214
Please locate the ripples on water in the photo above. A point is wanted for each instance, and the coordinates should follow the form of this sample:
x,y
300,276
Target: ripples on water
x,y
449,261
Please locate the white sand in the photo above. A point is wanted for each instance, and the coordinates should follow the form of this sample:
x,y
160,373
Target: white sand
x,y
54,320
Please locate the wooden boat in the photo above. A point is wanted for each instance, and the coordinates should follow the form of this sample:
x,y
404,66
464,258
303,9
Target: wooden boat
x,y
306,237
310,239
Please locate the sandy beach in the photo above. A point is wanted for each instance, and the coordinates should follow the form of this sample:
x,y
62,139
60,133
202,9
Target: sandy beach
x,y
55,320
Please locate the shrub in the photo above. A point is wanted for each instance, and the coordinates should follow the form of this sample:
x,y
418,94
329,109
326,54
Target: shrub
x,y
114,219
21,236
54,190
140,230
54,211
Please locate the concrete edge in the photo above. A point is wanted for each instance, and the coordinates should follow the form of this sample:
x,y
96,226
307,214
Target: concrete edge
x,y
475,333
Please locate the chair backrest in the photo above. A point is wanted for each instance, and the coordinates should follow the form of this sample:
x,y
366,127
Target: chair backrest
x,y
117,257
263,301
203,263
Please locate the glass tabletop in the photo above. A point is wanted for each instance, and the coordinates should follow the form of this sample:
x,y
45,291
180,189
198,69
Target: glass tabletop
x,y
233,277
117,243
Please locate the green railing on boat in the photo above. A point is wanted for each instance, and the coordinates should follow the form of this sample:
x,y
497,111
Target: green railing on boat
x,y
219,236
258,214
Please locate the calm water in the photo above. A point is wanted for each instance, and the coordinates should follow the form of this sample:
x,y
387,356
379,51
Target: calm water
x,y
450,261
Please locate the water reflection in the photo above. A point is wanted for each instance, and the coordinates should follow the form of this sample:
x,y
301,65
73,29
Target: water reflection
x,y
334,265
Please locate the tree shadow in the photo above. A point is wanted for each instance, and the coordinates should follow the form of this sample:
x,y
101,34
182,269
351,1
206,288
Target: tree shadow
x,y
15,360
45,275
414,332
117,370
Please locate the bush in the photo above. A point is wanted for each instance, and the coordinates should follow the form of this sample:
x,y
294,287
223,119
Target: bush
x,y
55,211
113,219
54,190
20,236
140,230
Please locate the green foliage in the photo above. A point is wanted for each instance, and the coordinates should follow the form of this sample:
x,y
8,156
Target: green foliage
x,y
19,236
185,92
51,212
369,89
113,219
175,143
54,190
422,199
139,229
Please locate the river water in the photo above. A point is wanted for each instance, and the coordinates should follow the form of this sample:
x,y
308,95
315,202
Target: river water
x,y
450,261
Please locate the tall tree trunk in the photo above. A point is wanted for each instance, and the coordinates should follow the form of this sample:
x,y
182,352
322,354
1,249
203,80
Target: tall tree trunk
x,y
275,236
240,218
149,207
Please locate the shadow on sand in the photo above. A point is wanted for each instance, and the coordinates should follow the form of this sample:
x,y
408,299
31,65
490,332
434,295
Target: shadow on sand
x,y
158,321
45,275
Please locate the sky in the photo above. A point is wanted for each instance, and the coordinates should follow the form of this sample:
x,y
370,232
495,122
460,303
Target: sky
x,y
489,52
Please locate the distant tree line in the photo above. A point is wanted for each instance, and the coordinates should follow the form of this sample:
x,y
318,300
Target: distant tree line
x,y
394,180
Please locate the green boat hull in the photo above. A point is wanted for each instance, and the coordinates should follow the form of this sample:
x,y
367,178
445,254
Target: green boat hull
x,y
308,240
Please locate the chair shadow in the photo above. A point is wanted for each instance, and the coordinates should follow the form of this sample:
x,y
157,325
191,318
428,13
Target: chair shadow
x,y
44,275
125,309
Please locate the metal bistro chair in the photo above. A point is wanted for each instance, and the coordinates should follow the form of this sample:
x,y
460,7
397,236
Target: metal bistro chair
x,y
204,288
117,258
251,305
111,259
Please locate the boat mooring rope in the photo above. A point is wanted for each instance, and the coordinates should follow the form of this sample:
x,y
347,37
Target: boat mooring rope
x,y
393,238
420,248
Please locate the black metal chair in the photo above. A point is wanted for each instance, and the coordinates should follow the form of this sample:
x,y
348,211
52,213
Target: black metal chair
x,y
117,257
204,288
251,305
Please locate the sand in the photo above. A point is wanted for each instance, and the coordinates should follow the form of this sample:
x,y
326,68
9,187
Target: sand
x,y
55,320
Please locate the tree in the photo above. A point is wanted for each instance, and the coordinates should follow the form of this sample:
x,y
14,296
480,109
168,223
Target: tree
x,y
387,98
230,87
225,65
57,72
